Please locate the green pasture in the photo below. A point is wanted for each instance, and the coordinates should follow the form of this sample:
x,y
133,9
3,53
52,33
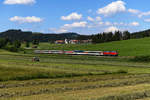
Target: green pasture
x,y
15,66
72,77
133,47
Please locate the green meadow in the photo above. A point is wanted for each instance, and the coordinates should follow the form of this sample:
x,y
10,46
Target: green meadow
x,y
133,47
76,77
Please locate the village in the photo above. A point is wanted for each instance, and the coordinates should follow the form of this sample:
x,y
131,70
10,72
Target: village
x,y
67,41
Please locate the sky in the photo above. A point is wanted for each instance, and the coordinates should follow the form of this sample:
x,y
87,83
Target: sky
x,y
81,16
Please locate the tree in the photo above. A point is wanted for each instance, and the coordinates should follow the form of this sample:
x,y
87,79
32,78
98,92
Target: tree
x,y
3,42
94,38
104,37
117,36
17,44
145,34
109,36
27,44
126,35
35,42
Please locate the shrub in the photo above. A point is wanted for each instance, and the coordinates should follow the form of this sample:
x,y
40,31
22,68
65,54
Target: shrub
x,y
122,71
17,44
12,49
141,59
3,42
27,44
117,72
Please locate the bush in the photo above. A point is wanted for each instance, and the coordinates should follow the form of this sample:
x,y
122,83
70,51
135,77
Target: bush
x,y
17,44
117,72
122,71
12,49
141,59
27,44
3,42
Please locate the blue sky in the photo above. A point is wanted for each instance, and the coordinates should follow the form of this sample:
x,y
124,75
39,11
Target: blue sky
x,y
82,16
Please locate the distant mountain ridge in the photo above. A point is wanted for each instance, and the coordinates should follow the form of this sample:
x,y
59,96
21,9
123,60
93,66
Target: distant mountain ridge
x,y
141,34
51,37
29,36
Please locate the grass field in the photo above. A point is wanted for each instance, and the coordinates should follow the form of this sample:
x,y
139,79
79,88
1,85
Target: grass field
x,y
72,77
133,47
67,77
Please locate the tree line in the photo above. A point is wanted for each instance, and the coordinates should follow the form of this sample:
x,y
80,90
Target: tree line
x,y
20,35
108,37
35,38
118,35
6,44
15,46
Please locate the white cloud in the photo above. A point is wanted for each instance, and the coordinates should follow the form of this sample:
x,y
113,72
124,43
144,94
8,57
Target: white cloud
x,y
61,30
72,16
76,25
134,24
144,14
28,19
133,11
67,27
111,29
90,18
139,13
25,2
94,19
120,24
113,8
147,20
108,23
101,23
98,18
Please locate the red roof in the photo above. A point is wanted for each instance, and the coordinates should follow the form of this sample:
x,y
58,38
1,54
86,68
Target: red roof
x,y
74,40
60,41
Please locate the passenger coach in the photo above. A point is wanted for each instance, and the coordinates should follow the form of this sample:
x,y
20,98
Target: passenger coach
x,y
78,52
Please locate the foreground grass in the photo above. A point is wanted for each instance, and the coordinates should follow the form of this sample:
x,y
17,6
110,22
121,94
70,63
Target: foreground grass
x,y
83,88
144,99
107,93
21,67
15,66
63,77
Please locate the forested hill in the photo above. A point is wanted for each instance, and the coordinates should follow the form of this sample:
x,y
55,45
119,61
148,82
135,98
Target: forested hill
x,y
51,37
118,35
30,36
16,35
141,34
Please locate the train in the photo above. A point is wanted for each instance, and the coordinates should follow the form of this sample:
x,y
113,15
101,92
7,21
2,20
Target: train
x,y
78,52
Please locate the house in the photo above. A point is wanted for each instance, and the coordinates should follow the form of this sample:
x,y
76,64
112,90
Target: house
x,y
74,41
59,42
66,41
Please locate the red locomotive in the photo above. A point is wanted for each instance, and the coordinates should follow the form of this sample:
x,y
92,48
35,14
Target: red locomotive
x,y
78,52
110,53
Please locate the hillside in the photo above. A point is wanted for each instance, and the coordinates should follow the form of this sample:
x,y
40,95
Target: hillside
x,y
51,37
133,47
30,36
61,77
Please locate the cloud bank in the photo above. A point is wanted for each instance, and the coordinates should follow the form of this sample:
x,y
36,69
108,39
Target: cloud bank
x,y
28,19
23,2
